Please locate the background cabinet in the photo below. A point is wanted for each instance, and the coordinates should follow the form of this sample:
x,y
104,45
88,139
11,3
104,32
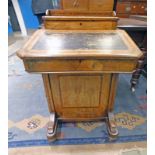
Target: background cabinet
x,y
125,8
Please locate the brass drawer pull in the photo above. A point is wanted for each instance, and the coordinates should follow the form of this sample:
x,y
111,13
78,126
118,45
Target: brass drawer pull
x,y
134,6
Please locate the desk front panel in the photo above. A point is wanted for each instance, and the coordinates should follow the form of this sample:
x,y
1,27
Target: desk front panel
x,y
80,96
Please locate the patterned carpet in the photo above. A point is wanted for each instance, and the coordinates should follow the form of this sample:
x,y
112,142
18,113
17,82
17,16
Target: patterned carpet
x,y
28,113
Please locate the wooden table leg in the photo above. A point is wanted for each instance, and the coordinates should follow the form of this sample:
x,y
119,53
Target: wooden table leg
x,y
111,125
51,128
136,75
110,121
142,61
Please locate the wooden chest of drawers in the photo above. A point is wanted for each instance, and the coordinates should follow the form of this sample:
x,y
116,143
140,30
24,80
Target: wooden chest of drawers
x,y
125,8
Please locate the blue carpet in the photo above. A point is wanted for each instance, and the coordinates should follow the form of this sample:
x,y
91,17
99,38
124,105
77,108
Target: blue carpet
x,y
28,113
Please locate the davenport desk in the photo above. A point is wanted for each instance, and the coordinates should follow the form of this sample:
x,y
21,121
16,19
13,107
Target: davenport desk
x,y
80,71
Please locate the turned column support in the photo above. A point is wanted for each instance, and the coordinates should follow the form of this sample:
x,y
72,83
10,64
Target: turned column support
x,y
136,74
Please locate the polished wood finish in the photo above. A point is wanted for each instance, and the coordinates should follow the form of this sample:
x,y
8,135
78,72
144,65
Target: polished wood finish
x,y
101,5
75,5
79,55
82,15
87,5
112,92
59,12
81,96
80,71
125,8
57,44
74,21
87,65
47,88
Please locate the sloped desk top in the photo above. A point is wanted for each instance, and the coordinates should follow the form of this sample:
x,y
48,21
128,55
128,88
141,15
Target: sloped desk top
x,y
80,44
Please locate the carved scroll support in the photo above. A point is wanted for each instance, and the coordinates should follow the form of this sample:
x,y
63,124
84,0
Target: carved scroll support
x,y
111,125
51,128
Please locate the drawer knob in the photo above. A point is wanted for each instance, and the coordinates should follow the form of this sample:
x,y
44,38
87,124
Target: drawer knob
x,y
134,6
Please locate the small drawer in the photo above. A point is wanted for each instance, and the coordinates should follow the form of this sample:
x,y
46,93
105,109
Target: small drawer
x,y
81,25
123,8
142,8
134,8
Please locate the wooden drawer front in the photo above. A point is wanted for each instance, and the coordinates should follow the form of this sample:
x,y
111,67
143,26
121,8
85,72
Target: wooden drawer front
x,y
75,5
134,8
142,8
80,65
131,8
101,5
80,25
123,7
80,96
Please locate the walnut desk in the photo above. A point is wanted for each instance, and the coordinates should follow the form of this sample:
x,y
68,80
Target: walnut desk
x,y
80,70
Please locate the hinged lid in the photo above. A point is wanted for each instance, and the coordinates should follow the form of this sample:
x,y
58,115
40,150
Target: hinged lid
x,y
103,44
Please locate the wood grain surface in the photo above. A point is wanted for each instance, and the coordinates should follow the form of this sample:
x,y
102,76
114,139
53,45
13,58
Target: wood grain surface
x,y
104,39
80,96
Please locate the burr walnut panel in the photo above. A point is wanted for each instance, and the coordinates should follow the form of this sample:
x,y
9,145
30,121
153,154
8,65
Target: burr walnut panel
x,y
81,96
85,91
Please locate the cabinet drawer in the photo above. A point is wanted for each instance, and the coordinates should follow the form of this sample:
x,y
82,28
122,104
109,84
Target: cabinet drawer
x,y
142,8
123,7
80,25
75,5
80,65
135,8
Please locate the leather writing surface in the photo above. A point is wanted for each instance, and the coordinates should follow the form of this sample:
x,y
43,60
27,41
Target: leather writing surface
x,y
85,41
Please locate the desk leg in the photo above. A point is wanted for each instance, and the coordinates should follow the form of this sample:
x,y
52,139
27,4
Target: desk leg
x,y
52,124
136,75
51,128
111,124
